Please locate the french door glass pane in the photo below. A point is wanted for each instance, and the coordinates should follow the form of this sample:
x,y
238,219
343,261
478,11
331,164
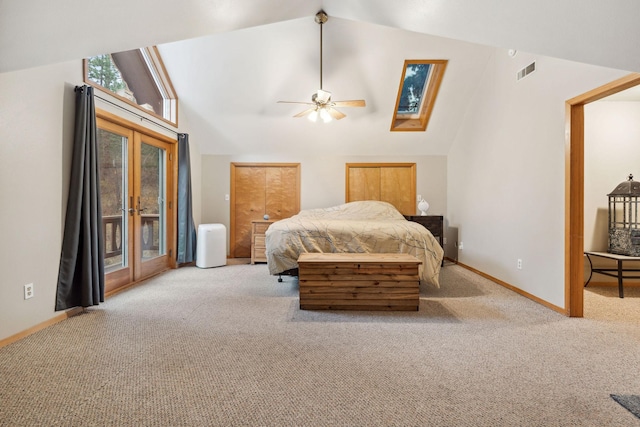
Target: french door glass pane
x,y
152,201
113,189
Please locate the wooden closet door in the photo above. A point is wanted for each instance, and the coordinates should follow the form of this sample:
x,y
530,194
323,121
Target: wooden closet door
x,y
397,186
364,183
249,202
258,189
281,192
394,183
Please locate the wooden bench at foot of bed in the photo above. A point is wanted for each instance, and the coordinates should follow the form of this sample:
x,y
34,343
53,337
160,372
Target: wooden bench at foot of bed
x,y
347,281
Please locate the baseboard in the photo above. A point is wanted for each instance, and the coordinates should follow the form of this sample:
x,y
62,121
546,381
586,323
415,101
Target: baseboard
x,y
627,284
69,313
133,284
547,304
59,318
238,261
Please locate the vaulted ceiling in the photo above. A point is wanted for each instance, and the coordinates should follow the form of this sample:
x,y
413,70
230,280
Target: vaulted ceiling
x,y
230,61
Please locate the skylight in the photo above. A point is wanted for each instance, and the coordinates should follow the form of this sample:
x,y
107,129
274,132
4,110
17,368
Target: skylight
x,y
417,93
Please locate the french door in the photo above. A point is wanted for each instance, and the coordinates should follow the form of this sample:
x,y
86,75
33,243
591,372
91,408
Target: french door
x,y
136,187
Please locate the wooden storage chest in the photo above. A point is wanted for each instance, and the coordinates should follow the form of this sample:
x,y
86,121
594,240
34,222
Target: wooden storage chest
x,y
348,281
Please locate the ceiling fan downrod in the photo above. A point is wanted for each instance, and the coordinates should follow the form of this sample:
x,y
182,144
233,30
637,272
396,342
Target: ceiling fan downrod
x,y
321,18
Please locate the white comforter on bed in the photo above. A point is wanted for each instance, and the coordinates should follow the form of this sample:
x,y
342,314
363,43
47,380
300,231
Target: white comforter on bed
x,y
357,227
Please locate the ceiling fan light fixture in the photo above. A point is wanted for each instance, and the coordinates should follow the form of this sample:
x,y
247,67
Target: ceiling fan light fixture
x,y
325,116
313,116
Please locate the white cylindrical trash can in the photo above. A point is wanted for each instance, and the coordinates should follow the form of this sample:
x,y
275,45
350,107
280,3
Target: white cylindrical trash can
x,y
211,249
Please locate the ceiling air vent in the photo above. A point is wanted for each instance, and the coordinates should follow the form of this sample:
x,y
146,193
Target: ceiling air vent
x,y
526,71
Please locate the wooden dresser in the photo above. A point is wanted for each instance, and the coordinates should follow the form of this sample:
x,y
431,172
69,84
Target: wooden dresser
x,y
258,247
433,223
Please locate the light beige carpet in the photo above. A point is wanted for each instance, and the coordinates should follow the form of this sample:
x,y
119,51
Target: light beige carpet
x,y
603,303
228,346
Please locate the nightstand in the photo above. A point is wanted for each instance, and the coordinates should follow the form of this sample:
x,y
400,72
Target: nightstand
x,y
433,223
258,246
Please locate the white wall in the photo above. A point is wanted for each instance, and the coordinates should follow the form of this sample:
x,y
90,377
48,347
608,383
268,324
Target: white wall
x,y
36,133
506,171
612,152
322,180
36,130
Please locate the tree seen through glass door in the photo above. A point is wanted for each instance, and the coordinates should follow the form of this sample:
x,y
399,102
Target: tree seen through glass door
x,y
152,201
113,188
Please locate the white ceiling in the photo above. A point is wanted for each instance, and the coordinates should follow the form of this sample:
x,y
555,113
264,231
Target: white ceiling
x,y
231,60
38,32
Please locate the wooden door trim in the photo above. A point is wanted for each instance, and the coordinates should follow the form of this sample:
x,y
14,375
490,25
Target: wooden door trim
x,y
135,132
574,189
378,165
150,267
133,125
122,277
232,192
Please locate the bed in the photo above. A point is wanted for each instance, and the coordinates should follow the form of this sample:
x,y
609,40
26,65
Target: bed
x,y
356,227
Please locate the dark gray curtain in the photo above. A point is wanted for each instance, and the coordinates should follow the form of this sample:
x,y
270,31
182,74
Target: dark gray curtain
x,y
186,227
81,274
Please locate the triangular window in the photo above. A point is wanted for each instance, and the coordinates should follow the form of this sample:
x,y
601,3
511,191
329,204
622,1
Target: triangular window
x,y
137,77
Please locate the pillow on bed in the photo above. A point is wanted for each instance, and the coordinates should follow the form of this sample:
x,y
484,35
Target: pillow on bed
x,y
363,210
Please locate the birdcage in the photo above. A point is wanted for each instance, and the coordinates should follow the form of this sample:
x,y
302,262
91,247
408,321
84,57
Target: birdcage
x,y
624,234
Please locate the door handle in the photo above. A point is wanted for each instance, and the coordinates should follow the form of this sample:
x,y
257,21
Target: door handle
x,y
140,210
130,210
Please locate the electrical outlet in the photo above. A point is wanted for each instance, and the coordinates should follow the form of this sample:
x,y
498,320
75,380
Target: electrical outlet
x,y
519,264
28,291
444,240
419,197
226,197
460,245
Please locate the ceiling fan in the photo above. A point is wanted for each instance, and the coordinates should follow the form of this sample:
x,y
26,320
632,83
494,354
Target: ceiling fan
x,y
321,104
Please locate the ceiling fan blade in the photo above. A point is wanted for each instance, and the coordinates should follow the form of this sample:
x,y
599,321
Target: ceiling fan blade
x,y
352,103
295,102
305,112
336,114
